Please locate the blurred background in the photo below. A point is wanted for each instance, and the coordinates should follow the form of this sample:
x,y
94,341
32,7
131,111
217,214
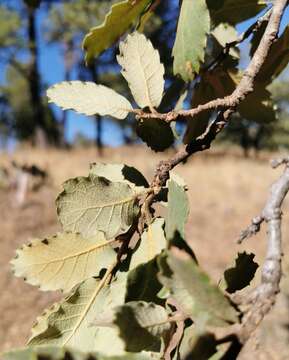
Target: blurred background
x,y
41,146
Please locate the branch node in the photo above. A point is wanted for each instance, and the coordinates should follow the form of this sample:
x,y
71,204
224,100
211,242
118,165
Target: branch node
x,y
281,161
252,229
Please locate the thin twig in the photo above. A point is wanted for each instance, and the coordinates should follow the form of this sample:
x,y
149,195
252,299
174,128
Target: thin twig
x,y
216,103
252,229
264,296
242,37
257,221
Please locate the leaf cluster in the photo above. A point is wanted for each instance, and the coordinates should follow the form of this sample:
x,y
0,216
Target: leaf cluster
x,y
123,297
205,51
133,285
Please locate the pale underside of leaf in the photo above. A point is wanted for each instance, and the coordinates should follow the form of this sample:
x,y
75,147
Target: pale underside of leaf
x,y
91,204
142,69
191,38
68,323
89,99
63,261
121,16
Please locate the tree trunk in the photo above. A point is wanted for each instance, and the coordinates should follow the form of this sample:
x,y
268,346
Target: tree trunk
x,y
98,139
40,136
68,64
98,119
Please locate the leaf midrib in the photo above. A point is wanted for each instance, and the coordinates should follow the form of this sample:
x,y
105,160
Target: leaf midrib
x,y
92,248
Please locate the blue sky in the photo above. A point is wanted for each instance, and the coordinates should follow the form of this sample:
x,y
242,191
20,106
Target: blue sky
x,y
52,71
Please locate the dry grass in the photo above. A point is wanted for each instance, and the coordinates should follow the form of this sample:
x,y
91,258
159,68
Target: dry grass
x,y
225,192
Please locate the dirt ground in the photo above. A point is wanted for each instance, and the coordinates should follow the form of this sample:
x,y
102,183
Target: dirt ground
x,y
225,192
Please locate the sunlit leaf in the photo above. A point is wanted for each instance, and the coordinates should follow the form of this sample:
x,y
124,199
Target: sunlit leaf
x,y
142,69
191,38
68,323
89,99
91,204
63,261
121,16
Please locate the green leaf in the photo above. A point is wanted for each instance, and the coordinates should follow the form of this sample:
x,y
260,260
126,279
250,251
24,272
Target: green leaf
x,y
63,261
240,276
234,11
120,173
178,209
191,38
68,323
156,133
121,16
141,325
91,204
142,69
60,353
152,242
193,290
89,99
177,214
